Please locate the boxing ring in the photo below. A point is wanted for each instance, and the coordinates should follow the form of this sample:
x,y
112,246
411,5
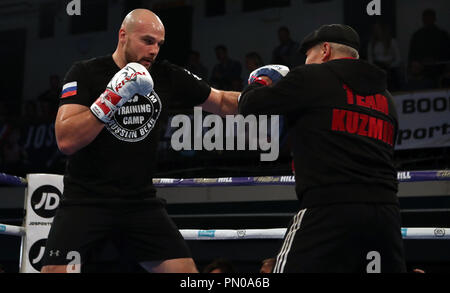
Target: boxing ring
x,y
43,193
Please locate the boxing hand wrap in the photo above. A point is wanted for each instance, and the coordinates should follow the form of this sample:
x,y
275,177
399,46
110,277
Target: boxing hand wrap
x,y
274,72
126,83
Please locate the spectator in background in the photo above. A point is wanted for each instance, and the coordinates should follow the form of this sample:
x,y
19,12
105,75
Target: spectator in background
x,y
253,61
3,113
384,52
237,84
46,111
195,66
7,125
417,79
3,128
220,266
54,90
226,71
48,101
430,45
29,113
444,81
13,154
286,53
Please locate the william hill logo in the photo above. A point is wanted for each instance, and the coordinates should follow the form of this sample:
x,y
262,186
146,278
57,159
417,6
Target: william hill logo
x,y
443,173
287,179
267,179
205,180
403,175
164,181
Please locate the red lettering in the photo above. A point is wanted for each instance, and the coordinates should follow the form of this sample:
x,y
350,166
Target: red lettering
x,y
370,102
338,123
360,101
386,137
382,104
375,128
376,102
362,124
349,95
391,134
385,130
362,127
388,133
128,78
352,122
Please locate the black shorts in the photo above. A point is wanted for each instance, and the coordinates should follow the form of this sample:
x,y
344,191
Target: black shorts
x,y
142,232
343,238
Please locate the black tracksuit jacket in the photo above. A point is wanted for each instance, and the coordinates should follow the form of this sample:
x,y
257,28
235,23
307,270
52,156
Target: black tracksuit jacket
x,y
343,123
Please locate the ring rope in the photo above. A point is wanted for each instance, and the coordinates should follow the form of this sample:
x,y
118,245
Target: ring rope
x,y
403,176
12,230
275,233
6,179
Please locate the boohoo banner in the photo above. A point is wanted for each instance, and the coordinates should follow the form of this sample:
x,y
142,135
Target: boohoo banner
x,y
424,119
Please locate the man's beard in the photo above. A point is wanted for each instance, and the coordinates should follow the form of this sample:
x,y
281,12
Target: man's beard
x,y
129,57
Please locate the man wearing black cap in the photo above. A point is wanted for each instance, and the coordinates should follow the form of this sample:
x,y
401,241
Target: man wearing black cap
x,y
344,125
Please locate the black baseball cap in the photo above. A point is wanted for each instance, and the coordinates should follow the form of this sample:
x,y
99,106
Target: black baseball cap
x,y
335,33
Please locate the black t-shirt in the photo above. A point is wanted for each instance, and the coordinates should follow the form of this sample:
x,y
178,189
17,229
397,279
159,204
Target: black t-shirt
x,y
120,162
343,122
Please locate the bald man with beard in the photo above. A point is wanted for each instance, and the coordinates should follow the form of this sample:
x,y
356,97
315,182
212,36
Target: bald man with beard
x,y
108,123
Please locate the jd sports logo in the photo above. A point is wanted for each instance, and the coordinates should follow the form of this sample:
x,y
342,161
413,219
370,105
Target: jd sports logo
x,y
136,118
45,200
36,254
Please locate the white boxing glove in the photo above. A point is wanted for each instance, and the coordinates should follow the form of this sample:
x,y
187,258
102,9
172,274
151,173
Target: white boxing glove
x,y
133,79
274,72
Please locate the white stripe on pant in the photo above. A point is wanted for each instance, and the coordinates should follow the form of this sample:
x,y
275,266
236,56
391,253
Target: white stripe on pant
x,y
282,256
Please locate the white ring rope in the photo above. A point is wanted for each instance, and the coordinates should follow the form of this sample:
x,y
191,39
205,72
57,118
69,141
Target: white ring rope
x,y
37,225
276,233
224,234
12,230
